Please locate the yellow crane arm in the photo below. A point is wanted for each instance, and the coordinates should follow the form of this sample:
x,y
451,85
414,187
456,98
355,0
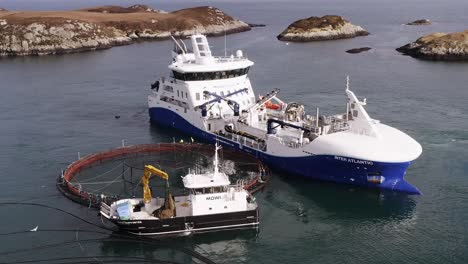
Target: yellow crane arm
x,y
148,172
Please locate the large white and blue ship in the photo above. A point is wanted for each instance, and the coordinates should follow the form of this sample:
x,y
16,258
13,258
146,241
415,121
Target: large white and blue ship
x,y
211,98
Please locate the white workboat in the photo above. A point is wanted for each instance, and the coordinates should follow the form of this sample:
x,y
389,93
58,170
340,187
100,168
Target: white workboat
x,y
212,204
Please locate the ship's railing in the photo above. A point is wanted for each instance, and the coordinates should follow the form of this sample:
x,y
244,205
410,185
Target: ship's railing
x,y
105,208
220,59
239,185
290,143
312,128
229,58
245,141
277,115
340,126
334,124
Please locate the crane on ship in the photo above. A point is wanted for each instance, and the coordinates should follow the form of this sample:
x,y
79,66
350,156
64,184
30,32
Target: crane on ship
x,y
218,98
280,123
168,209
266,100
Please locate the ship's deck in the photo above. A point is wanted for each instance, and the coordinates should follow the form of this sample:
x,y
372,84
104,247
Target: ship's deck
x,y
182,204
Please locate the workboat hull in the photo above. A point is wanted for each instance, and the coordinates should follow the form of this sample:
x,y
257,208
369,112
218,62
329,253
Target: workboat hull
x,y
338,169
190,224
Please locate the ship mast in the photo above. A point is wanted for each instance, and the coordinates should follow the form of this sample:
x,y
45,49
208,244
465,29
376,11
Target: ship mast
x,y
215,161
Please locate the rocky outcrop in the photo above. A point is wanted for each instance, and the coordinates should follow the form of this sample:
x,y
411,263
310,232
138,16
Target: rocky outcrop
x,y
120,10
41,32
256,25
358,50
3,10
439,46
55,36
321,28
419,22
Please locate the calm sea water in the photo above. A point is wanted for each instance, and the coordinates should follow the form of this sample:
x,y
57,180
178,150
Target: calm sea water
x,y
53,107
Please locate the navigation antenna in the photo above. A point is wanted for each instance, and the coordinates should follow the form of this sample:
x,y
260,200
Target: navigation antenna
x,y
183,43
347,103
215,161
178,45
225,42
347,82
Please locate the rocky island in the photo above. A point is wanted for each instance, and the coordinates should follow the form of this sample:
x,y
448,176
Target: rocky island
x,y
439,46
419,22
358,50
321,28
57,32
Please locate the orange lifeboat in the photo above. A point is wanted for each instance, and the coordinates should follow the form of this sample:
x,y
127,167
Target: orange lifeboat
x,y
272,106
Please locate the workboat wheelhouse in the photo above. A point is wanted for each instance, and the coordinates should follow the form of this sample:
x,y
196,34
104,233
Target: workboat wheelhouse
x,y
211,98
212,204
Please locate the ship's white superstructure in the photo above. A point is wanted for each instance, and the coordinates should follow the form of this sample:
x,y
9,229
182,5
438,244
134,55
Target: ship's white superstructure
x,y
211,97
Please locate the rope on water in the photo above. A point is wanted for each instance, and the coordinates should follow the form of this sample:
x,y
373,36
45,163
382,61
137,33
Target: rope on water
x,y
124,238
97,259
111,182
96,183
102,174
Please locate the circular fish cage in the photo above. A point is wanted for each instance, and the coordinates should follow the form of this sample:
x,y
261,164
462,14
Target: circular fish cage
x,y
116,174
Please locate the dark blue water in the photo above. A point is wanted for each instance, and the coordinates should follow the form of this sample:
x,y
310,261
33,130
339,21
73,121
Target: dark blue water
x,y
53,107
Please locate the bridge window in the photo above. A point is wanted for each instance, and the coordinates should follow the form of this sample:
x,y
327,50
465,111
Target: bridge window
x,y
197,96
178,75
203,76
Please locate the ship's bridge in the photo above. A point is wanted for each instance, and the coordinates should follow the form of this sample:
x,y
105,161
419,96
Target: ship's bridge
x,y
199,64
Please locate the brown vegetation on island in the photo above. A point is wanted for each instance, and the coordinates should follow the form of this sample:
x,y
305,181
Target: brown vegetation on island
x,y
119,9
439,46
321,28
51,32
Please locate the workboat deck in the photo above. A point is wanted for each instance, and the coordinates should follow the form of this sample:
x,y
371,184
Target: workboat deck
x,y
139,210
183,206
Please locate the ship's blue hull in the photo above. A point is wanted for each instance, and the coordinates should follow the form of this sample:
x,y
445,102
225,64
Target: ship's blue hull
x,y
321,167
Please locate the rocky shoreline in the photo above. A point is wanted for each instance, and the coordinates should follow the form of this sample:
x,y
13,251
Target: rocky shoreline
x,y
439,46
321,28
58,32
